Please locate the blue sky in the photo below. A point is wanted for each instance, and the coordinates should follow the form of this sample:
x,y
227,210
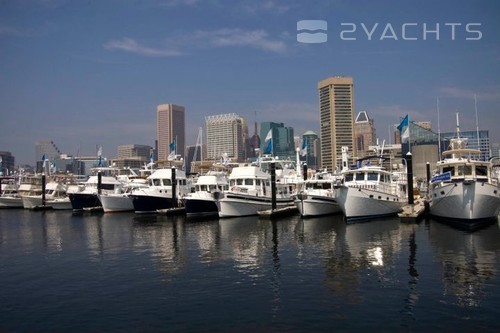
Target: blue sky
x,y
87,73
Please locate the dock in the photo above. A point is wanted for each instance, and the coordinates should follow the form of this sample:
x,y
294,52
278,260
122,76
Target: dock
x,y
278,212
41,208
172,211
413,213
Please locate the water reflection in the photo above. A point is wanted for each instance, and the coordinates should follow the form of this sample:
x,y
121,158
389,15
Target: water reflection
x,y
468,259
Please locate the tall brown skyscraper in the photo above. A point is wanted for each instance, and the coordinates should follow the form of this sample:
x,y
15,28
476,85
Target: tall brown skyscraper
x,y
336,111
170,127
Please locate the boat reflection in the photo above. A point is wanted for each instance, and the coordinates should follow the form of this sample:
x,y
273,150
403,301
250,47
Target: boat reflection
x,y
469,260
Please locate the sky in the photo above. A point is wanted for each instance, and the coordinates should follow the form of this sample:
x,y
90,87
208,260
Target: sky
x,y
91,73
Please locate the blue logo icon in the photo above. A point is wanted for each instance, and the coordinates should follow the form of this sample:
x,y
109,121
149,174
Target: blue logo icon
x,y
312,31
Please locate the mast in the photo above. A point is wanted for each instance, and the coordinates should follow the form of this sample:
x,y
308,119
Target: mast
x,y
477,125
439,129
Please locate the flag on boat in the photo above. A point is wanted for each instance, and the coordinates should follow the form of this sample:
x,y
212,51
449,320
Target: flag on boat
x,y
172,151
404,129
303,151
268,142
43,158
99,157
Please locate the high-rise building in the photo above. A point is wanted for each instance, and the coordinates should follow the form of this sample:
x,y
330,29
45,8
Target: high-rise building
x,y
336,111
283,139
170,128
132,151
364,133
7,163
312,153
225,135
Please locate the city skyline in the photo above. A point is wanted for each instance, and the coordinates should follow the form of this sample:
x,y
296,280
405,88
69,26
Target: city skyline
x,y
87,74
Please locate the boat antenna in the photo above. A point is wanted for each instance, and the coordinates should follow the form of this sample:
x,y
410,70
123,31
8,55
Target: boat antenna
x,y
458,126
477,125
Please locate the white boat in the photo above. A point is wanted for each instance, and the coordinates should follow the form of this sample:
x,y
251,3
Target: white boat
x,y
29,184
9,196
464,189
250,192
86,198
317,195
55,196
209,188
158,195
371,192
121,202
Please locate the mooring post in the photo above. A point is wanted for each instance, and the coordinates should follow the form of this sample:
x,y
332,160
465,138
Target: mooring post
x,y
273,186
304,171
409,167
99,182
43,189
174,188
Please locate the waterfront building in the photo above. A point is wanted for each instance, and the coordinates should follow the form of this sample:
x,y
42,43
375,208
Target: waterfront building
x,y
170,130
7,163
283,144
336,111
134,151
226,137
364,134
312,153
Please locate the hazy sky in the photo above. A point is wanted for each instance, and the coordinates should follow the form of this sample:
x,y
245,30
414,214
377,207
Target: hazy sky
x,y
87,73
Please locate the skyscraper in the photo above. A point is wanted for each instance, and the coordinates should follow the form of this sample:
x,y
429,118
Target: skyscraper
x,y
226,135
283,144
336,111
364,133
170,127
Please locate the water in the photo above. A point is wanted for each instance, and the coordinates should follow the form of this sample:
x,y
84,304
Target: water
x,y
61,272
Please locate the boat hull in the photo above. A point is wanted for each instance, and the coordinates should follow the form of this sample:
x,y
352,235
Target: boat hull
x,y
236,204
11,202
116,203
363,204
313,205
468,202
84,201
147,204
201,207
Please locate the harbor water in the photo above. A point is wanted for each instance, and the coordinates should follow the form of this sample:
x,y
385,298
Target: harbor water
x,y
62,272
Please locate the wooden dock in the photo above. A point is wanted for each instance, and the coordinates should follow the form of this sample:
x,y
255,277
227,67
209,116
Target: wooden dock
x,y
279,212
413,213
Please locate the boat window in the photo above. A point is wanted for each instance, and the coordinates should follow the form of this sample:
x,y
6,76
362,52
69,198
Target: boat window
x,y
464,170
481,170
257,182
348,177
156,182
232,182
360,176
108,186
372,176
450,169
239,181
167,182
248,181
